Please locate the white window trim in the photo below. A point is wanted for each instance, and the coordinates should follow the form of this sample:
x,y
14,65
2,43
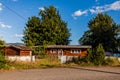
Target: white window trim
x,y
75,51
53,51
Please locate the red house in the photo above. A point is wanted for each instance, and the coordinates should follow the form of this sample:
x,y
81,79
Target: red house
x,y
67,50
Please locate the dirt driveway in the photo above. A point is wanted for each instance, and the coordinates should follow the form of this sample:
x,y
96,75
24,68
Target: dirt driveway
x,y
74,73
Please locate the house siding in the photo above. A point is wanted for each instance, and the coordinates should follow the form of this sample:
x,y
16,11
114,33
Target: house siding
x,y
19,53
25,53
11,51
67,52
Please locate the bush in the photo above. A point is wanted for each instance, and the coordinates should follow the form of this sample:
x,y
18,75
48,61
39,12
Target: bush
x,y
2,60
39,52
79,60
98,55
75,60
108,61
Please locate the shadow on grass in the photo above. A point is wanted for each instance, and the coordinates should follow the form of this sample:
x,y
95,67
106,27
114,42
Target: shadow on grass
x,y
95,70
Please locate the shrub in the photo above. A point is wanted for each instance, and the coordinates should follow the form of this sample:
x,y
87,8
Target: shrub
x,y
79,60
75,60
108,61
2,60
39,52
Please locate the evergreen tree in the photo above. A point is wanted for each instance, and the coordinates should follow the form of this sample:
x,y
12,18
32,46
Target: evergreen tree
x,y
99,55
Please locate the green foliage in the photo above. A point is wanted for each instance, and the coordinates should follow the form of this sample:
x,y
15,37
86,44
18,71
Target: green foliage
x,y
95,55
2,43
89,56
39,51
75,60
99,55
108,61
31,32
80,60
102,29
48,28
2,57
2,60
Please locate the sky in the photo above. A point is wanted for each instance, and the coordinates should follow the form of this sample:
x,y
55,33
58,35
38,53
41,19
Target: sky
x,y
14,15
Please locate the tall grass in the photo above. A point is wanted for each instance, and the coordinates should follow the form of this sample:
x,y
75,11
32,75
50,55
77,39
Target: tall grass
x,y
46,62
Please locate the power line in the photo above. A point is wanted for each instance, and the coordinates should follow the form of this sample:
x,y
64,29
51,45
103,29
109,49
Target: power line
x,y
13,11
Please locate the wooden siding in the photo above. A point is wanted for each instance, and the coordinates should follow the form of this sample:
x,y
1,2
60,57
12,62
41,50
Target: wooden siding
x,y
16,50
67,52
10,51
25,53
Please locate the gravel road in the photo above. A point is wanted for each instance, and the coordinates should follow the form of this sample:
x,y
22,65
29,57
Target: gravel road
x,y
73,73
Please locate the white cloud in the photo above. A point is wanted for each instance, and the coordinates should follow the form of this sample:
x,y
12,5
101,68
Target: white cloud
x,y
42,8
99,9
19,35
79,13
92,11
1,7
115,6
4,25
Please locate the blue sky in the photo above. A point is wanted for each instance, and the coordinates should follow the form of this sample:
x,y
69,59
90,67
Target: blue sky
x,y
77,14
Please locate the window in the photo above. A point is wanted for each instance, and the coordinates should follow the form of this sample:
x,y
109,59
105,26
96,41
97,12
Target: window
x,y
75,51
79,51
53,51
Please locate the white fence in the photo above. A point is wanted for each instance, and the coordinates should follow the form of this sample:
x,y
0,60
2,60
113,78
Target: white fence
x,y
21,58
112,57
64,59
119,59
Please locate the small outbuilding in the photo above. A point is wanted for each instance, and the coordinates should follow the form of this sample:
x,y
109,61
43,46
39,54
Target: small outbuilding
x,y
19,53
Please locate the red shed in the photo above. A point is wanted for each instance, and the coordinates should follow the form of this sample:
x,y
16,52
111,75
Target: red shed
x,y
21,53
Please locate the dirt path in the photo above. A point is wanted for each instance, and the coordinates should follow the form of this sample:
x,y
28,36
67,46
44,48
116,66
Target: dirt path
x,y
74,73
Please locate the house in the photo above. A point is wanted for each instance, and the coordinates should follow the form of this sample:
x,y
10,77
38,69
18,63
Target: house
x,y
67,52
19,53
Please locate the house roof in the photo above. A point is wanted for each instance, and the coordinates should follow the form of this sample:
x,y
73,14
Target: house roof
x,y
68,46
21,47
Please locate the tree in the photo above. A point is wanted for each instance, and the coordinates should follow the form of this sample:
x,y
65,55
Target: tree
x,y
99,55
2,57
31,32
96,55
102,30
48,28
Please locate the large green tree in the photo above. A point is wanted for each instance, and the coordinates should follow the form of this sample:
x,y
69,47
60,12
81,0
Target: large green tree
x,y
102,30
48,28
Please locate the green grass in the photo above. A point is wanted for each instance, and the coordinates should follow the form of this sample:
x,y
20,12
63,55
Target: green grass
x,y
52,62
39,63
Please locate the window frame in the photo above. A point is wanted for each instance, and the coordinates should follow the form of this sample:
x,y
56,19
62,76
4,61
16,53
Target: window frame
x,y
75,51
53,51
